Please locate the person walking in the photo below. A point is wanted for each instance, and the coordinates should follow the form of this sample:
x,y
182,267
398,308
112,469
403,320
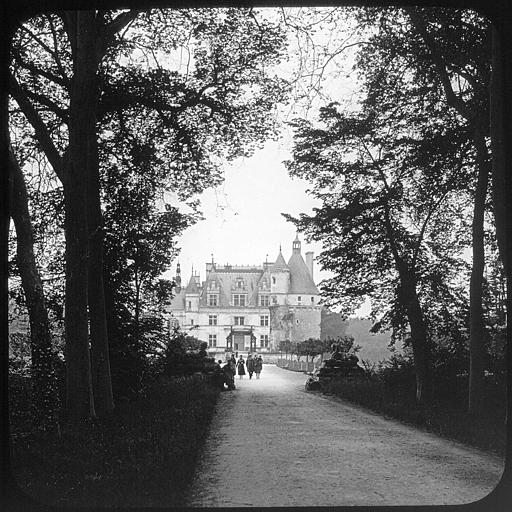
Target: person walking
x,y
258,366
250,365
240,365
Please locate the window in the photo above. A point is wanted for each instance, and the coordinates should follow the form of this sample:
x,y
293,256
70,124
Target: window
x,y
264,320
299,300
264,340
312,300
238,300
191,321
212,319
212,299
212,340
273,280
189,304
239,283
239,320
264,301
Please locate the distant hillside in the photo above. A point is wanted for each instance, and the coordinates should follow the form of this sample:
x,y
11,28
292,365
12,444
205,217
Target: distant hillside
x,y
374,347
332,325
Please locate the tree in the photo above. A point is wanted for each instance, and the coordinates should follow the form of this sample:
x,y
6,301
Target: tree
x,y
382,217
285,346
225,89
313,347
42,371
76,165
452,48
140,243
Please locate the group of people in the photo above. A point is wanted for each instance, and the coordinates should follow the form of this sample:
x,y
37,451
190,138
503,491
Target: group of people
x,y
254,366
227,372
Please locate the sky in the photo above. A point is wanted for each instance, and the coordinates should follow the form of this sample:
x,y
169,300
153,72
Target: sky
x,y
242,222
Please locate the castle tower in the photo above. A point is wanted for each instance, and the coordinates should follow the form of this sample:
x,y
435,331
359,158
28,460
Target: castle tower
x,y
296,245
192,293
279,278
177,279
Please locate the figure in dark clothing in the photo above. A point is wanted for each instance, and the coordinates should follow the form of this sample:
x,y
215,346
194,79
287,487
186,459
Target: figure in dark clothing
x,y
240,365
250,365
258,366
229,376
219,375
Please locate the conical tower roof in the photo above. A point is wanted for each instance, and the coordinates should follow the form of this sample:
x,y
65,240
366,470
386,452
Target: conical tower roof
x,y
300,278
192,286
280,264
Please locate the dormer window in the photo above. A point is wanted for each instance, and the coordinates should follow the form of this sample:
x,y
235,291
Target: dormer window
x,y
239,300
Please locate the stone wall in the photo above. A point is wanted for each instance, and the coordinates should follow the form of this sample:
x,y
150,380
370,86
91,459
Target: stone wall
x,y
306,323
294,323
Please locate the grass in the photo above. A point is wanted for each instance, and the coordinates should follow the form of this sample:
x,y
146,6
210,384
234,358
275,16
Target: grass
x,y
144,456
446,415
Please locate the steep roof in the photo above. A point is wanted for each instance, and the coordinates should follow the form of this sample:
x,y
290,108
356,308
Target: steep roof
x,y
280,264
300,278
178,301
192,286
226,281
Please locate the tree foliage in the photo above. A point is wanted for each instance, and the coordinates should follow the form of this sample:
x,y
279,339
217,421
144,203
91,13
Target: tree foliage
x,y
396,176
162,96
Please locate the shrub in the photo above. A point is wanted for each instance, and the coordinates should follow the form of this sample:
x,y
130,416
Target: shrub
x,y
143,456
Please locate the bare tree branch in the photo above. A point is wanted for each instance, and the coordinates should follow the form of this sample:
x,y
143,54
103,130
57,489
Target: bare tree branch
x,y
29,66
60,112
39,126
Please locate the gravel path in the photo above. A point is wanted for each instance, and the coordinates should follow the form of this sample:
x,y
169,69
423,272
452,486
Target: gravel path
x,y
273,444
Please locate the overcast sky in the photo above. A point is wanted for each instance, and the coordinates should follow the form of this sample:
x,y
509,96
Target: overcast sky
x,y
243,224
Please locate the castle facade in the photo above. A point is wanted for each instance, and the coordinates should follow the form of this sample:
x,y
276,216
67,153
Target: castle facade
x,y
250,308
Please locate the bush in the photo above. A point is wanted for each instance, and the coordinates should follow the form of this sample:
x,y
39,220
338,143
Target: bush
x,y
389,388
143,456
397,372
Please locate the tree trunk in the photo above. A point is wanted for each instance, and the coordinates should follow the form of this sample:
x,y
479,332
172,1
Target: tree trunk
x,y
501,140
79,399
501,136
419,338
476,326
100,361
44,393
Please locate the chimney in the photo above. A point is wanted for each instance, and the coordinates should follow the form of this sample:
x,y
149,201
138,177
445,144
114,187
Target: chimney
x,y
309,262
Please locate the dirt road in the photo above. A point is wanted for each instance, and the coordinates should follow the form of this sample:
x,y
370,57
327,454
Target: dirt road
x,y
273,444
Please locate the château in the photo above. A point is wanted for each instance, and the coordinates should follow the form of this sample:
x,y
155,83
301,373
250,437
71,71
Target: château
x,y
250,308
